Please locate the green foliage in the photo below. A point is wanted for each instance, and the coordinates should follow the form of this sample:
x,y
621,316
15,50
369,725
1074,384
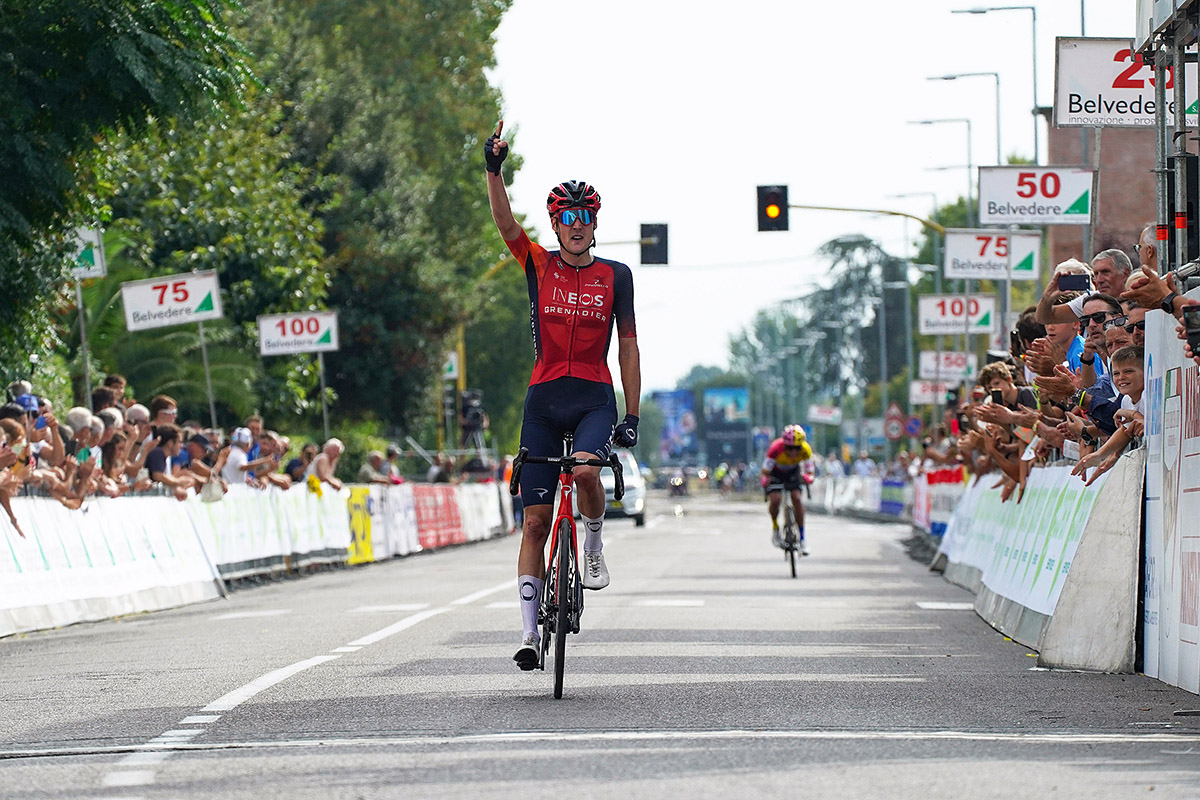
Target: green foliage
x,y
79,68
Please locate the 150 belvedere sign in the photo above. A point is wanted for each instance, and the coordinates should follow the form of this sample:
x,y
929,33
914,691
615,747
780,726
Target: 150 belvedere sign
x,y
985,254
300,332
953,314
171,300
1103,83
1035,195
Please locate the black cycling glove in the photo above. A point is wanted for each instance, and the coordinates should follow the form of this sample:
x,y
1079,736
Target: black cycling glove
x,y
492,160
625,434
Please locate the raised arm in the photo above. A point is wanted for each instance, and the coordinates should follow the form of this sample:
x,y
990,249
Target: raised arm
x,y
495,150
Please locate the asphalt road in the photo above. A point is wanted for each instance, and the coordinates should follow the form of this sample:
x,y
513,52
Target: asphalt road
x,y
704,670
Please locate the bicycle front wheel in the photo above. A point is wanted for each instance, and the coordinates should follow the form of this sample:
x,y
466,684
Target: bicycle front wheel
x,y
562,622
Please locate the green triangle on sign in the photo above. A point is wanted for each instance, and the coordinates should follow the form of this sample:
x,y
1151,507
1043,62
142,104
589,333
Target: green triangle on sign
x,y
1080,206
324,339
1026,264
1194,108
87,258
985,321
206,304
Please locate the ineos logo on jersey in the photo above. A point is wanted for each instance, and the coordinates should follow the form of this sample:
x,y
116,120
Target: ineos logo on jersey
x,y
576,299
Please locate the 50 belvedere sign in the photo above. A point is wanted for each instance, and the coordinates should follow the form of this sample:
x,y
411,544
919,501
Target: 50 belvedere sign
x,y
1035,195
300,332
171,300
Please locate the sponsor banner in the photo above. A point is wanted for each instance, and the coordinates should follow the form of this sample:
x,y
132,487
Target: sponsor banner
x,y
825,415
307,332
1171,599
1102,83
1023,550
893,495
727,423
438,521
89,260
928,393
171,300
359,506
1026,195
949,314
679,440
950,366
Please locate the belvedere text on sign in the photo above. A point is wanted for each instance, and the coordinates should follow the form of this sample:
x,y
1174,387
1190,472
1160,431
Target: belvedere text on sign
x,y
171,300
299,332
1035,195
954,314
1103,83
948,366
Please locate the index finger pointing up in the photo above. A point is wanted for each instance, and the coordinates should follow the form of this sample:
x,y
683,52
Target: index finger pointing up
x,y
499,128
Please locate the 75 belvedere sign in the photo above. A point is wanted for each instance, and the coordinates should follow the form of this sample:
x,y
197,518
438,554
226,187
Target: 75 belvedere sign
x,y
171,300
1035,195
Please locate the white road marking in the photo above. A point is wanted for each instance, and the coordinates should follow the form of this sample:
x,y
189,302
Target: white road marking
x,y
179,733
937,606
669,602
199,719
511,583
133,777
396,627
345,649
396,607
240,695
270,612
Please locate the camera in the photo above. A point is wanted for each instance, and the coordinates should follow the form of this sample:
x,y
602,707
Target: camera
x,y
1191,326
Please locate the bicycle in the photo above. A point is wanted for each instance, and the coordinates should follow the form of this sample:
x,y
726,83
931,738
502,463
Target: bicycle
x,y
791,541
562,591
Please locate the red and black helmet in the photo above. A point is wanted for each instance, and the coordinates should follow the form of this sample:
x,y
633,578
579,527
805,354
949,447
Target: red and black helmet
x,y
573,194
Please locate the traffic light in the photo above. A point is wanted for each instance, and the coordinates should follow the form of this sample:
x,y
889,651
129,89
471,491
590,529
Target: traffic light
x,y
772,208
654,244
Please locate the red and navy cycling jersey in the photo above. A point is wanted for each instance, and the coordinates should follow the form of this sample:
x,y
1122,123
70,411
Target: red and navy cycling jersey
x,y
572,311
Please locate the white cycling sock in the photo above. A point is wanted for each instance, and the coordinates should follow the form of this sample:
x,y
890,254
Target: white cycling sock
x,y
530,590
592,531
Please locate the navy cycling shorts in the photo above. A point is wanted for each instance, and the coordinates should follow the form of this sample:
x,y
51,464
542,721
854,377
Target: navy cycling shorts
x,y
790,480
586,408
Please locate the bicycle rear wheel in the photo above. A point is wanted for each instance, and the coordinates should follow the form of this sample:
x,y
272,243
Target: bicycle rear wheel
x,y
790,544
562,622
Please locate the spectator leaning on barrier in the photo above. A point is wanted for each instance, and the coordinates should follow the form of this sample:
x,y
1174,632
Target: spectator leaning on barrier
x,y
270,452
864,467
10,473
237,462
1129,378
158,463
296,468
371,470
254,423
324,465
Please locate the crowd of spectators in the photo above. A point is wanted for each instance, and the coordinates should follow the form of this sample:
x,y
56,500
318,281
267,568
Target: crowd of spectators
x,y
1070,389
121,446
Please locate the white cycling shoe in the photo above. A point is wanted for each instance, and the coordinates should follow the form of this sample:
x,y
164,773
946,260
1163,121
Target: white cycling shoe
x,y
595,571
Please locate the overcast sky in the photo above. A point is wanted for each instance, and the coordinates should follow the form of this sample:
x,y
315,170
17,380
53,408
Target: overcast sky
x,y
675,112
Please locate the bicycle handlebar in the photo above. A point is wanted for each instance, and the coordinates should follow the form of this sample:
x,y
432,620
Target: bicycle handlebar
x,y
566,463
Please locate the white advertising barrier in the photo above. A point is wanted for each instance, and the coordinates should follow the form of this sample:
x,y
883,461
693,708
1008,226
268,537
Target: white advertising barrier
x,y
935,496
1100,82
74,566
1027,195
853,493
252,531
1057,571
1171,621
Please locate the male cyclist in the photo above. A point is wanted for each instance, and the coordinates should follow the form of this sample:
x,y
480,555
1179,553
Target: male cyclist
x,y
574,300
783,464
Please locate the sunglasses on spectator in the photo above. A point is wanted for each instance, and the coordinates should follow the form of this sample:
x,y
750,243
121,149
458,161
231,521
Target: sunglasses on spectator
x,y
171,411
1135,326
1116,322
1097,317
568,216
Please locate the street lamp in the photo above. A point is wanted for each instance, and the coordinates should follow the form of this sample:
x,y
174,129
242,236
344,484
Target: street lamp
x,y
996,76
1033,11
970,160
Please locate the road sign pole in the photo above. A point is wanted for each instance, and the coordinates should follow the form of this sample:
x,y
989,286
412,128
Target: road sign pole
x,y
212,406
83,347
324,401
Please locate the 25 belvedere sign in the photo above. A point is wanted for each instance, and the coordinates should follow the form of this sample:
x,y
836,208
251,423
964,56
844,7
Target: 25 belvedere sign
x,y
299,332
1103,83
954,314
1035,195
171,300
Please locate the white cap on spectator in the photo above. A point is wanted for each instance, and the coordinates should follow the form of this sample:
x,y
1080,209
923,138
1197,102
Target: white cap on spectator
x,y
137,413
242,436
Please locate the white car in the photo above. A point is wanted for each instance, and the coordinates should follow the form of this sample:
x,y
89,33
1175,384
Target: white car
x,y
633,504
